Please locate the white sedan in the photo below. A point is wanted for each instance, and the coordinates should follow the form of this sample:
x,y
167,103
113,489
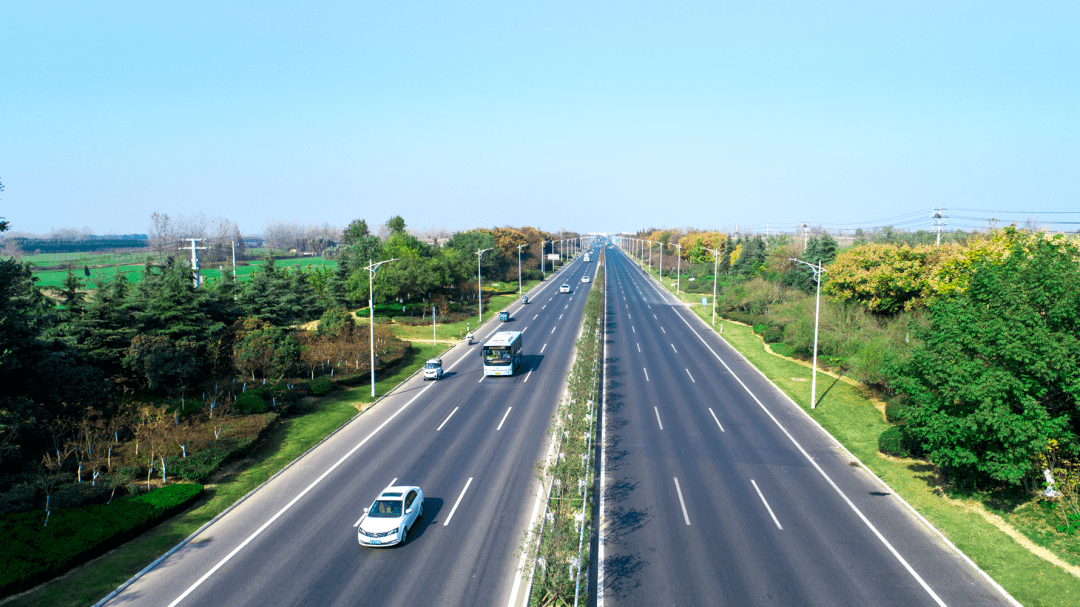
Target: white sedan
x,y
585,279
390,516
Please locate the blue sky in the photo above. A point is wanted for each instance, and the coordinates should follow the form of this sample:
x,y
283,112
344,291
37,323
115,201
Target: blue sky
x,y
589,116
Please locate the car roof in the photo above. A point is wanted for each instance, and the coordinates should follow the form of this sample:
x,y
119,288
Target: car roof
x,y
435,360
400,490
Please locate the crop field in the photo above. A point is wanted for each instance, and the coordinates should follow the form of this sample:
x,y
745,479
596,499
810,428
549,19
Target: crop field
x,y
131,266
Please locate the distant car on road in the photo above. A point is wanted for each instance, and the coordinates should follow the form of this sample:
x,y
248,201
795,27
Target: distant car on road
x,y
564,288
433,369
391,515
584,279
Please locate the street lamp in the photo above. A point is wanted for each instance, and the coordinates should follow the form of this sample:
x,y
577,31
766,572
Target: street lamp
x,y
715,260
678,272
651,243
372,268
543,255
479,293
520,246
817,309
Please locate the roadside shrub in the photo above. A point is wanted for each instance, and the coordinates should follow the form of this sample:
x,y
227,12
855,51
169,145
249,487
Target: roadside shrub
x,y
382,320
250,402
896,410
773,334
34,552
320,385
891,442
198,466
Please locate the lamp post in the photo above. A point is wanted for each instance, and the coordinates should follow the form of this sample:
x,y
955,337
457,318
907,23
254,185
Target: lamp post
x,y
372,268
520,246
817,309
479,293
678,272
715,260
543,255
651,243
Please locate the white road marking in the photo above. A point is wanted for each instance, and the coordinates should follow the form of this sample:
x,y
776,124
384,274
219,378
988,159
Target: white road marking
x,y
771,513
507,414
292,502
535,316
560,317
527,376
676,351
545,306
447,419
658,422
716,420
654,316
896,554
638,347
686,517
629,315
553,329
482,377
454,509
542,349
691,376
633,329
646,373
662,329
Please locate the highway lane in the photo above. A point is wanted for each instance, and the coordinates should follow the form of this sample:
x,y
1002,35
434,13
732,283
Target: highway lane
x,y
717,490
470,441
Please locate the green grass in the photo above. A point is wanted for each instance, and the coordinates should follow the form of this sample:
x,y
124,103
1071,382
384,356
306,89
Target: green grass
x,y
421,334
54,279
851,417
293,436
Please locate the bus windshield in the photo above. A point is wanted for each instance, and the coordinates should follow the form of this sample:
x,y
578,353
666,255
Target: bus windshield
x,y
497,355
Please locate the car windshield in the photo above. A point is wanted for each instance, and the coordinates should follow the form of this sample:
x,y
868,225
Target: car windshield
x,y
432,365
385,509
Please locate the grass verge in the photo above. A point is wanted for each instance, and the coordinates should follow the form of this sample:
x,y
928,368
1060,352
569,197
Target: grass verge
x,y
293,436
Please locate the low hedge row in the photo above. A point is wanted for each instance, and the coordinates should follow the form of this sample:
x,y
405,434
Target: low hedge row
x,y
34,553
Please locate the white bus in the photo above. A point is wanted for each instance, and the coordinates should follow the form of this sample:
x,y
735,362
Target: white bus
x,y
502,353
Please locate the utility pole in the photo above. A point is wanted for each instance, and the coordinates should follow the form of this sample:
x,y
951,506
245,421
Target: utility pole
x,y
195,260
805,233
233,258
937,217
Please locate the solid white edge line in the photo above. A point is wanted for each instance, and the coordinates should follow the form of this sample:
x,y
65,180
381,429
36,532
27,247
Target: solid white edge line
x,y
691,376
458,502
507,414
293,501
715,420
686,517
767,507
658,422
447,419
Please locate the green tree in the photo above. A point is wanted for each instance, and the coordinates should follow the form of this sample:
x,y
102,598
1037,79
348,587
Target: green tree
x,y
261,349
164,365
396,224
998,373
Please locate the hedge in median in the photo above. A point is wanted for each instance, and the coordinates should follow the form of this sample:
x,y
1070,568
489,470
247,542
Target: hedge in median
x,y
34,553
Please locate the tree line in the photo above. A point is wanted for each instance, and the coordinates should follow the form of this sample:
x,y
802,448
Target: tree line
x,y
125,359
974,342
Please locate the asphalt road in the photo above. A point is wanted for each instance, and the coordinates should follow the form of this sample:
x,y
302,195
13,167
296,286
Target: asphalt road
x,y
470,442
717,490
